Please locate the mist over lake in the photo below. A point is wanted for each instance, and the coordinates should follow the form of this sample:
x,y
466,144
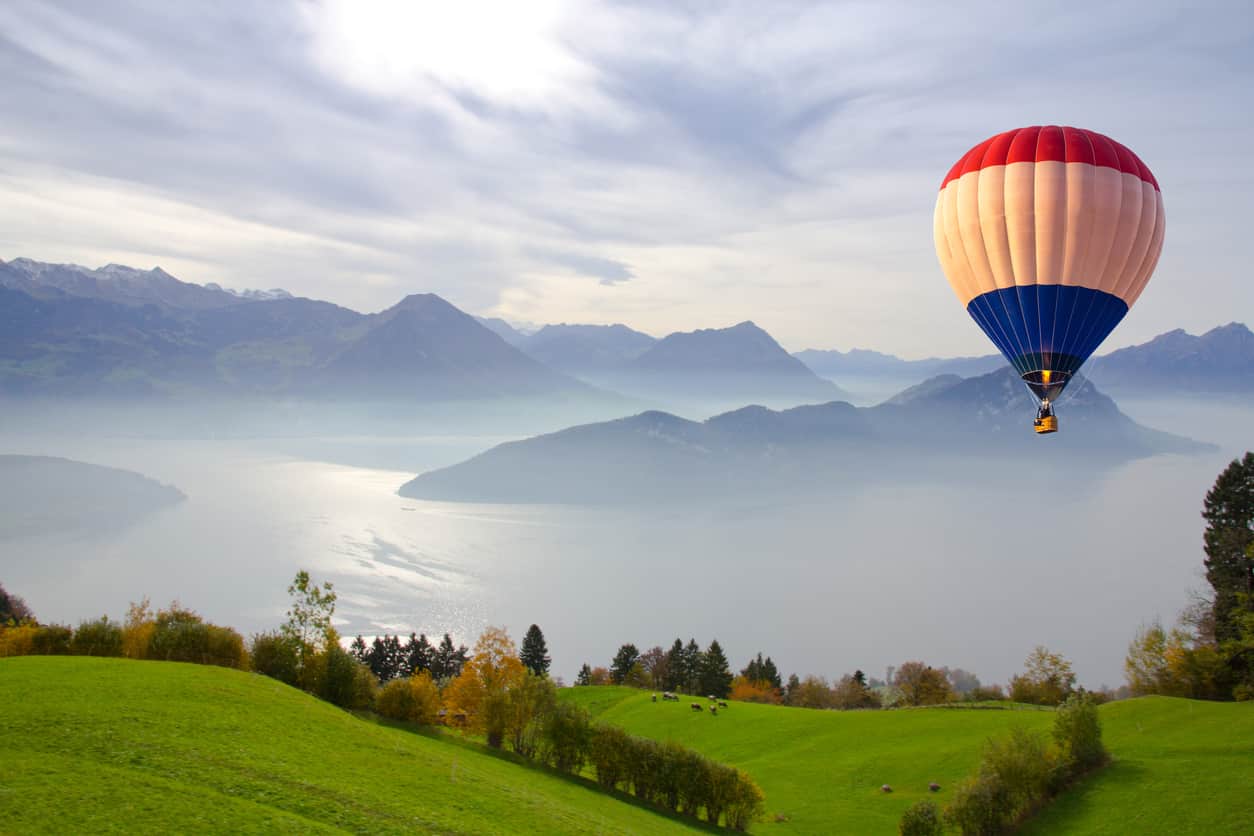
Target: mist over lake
x,y
967,569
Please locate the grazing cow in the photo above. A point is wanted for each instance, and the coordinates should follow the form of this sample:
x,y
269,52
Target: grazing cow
x,y
713,698
886,788
655,697
696,706
934,787
722,704
714,710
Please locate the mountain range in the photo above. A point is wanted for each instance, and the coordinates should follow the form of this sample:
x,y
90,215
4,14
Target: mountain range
x,y
1221,361
118,330
947,423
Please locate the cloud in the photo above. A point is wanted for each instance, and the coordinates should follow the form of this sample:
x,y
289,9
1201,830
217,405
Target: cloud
x,y
607,270
704,164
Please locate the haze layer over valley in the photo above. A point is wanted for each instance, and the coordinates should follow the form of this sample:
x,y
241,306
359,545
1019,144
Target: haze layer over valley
x,y
744,479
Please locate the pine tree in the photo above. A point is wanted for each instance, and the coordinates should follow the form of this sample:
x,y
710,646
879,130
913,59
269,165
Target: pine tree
x,y
794,685
535,653
585,675
676,668
358,650
377,659
1229,514
771,674
753,670
716,675
624,660
419,654
694,661
448,661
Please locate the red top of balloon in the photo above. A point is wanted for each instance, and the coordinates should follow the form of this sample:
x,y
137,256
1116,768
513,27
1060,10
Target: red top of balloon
x,y
1051,143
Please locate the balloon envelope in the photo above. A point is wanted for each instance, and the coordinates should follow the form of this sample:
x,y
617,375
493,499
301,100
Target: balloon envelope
x,y
1048,235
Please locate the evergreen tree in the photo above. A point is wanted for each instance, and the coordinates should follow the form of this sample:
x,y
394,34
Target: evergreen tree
x,y
1229,514
419,654
448,661
771,674
794,685
376,658
716,675
694,661
676,668
624,660
585,675
753,670
762,670
860,678
358,650
535,653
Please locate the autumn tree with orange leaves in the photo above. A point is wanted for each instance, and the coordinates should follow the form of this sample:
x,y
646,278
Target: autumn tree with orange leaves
x,y
478,699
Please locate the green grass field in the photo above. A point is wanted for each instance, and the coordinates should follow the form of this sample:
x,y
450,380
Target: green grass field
x,y
98,745
1181,766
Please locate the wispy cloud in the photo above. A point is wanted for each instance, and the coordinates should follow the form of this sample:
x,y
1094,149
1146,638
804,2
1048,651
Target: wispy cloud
x,y
667,165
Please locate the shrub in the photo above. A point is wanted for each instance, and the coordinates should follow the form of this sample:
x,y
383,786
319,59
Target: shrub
x,y
1025,765
179,635
18,641
670,767
691,778
747,803
606,748
137,630
225,647
641,760
923,818
415,699
52,640
276,656
566,732
344,680
528,703
97,638
1078,733
981,806
720,789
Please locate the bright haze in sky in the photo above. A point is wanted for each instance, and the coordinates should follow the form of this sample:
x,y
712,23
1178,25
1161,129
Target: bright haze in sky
x,y
667,165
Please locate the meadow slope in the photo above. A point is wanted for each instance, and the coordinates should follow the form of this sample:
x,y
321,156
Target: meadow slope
x,y
113,745
1181,766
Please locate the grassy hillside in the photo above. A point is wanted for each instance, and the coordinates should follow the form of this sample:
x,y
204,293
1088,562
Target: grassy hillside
x,y
93,745
1183,766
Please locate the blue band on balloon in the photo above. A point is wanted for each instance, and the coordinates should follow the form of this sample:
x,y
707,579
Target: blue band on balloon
x,y
1047,326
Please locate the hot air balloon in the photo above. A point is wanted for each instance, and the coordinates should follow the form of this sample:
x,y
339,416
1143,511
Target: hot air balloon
x,y
1048,235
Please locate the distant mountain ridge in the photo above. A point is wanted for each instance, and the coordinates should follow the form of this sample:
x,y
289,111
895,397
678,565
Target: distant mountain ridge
x,y
1221,361
122,284
656,456
123,332
861,362
739,364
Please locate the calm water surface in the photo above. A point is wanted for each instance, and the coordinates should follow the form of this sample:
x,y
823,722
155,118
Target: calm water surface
x,y
970,573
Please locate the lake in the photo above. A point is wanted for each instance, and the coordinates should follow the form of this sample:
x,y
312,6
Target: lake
x,y
969,572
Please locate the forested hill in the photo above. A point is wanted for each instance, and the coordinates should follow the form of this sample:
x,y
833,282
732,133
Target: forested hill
x,y
657,456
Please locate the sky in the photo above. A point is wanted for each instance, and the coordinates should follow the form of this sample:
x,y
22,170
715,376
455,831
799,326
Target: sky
x,y
669,165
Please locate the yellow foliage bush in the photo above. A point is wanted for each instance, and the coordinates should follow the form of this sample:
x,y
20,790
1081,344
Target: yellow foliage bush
x,y
415,699
18,641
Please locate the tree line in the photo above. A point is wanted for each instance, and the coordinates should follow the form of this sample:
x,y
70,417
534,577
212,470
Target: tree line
x,y
496,691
